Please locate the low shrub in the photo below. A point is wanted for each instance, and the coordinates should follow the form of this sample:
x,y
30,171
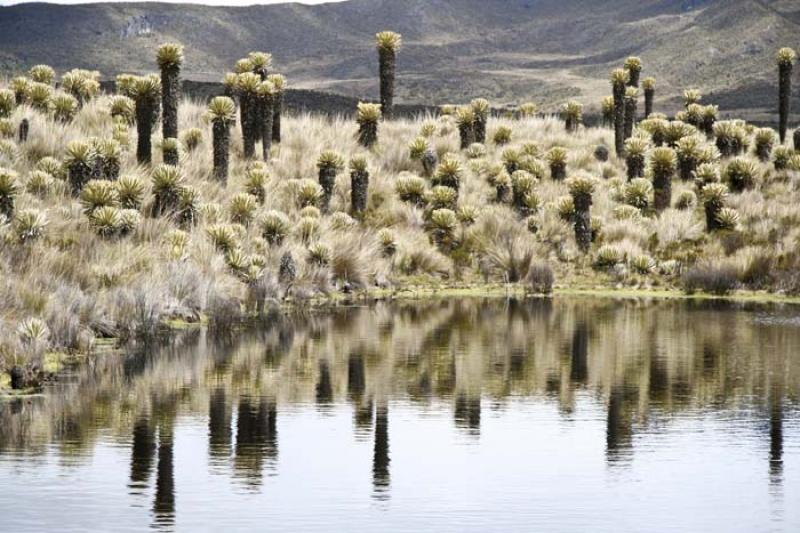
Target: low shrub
x,y
540,278
713,279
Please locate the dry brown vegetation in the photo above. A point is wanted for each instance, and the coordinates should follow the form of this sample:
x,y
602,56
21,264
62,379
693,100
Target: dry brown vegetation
x,y
95,244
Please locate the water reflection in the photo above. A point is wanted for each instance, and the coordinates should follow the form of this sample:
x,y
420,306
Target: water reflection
x,y
164,505
363,405
324,385
380,457
641,364
220,434
165,410
256,439
619,424
776,435
579,369
468,413
143,449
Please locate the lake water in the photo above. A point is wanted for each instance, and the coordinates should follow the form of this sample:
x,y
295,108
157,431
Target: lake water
x,y
573,414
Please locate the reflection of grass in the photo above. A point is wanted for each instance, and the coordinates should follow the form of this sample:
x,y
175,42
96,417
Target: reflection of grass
x,y
460,342
178,324
739,296
421,292
54,362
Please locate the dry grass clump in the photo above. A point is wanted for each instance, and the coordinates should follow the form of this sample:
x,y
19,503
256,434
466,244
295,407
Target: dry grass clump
x,y
718,279
540,278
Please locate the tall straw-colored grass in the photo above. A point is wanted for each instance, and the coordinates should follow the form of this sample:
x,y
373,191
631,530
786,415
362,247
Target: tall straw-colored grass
x,y
82,284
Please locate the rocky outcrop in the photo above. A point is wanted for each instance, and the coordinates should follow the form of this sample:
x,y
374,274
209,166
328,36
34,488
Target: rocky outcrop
x,y
136,27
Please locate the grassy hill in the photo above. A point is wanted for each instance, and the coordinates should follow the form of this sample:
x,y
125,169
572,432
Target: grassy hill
x,y
505,50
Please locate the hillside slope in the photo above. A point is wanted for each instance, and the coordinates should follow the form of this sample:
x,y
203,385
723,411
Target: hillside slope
x,y
507,50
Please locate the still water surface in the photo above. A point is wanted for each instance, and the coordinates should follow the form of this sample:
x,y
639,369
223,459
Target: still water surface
x,y
454,415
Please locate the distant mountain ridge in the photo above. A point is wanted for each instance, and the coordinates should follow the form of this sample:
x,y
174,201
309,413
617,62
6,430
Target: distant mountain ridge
x,y
506,50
